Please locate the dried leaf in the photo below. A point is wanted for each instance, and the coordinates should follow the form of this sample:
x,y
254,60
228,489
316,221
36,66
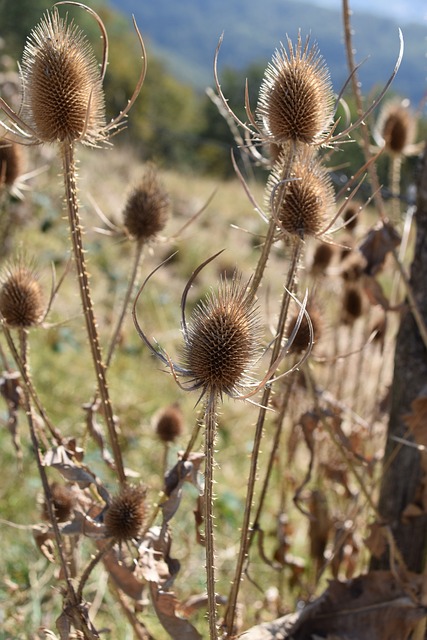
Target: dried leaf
x,y
167,606
375,606
84,525
122,575
378,243
43,537
196,602
96,431
183,471
417,419
376,541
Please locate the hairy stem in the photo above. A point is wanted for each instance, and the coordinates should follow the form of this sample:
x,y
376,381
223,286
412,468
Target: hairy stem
x,y
247,533
69,169
210,424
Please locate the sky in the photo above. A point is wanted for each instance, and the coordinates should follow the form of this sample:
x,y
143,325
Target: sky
x,y
403,11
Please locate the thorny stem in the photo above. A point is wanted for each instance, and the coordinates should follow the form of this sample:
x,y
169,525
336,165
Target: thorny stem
x,y
23,353
246,532
210,424
67,150
358,97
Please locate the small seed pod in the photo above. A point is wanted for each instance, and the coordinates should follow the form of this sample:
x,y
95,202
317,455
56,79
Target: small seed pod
x,y
10,164
352,305
170,424
221,341
296,99
302,339
322,258
63,500
126,514
21,300
301,201
147,208
396,126
62,86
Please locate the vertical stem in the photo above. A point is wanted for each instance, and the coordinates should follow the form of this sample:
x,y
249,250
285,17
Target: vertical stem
x,y
210,423
247,533
69,169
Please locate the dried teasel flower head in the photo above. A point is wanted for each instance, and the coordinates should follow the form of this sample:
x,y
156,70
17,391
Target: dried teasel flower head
x,y
63,99
21,300
10,164
322,258
301,202
126,514
147,207
221,339
170,423
63,502
296,100
396,127
302,338
352,304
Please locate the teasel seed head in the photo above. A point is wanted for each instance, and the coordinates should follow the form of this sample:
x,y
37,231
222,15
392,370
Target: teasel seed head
x,y
21,300
396,126
302,201
63,99
302,338
147,207
125,516
170,424
352,305
63,500
350,216
10,163
222,339
296,99
322,258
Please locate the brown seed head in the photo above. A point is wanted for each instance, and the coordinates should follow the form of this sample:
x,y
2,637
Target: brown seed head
x,y
350,216
302,338
296,99
63,503
126,514
10,163
352,305
396,126
322,258
62,87
222,339
301,203
21,301
147,208
170,423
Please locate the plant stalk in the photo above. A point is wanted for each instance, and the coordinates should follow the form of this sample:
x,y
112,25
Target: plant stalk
x,y
210,424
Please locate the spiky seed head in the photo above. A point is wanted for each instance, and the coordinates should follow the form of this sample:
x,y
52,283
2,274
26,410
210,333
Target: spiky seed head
x,y
301,202
396,126
21,300
63,500
296,99
350,216
352,305
170,423
147,207
126,514
322,258
302,338
10,163
63,99
223,337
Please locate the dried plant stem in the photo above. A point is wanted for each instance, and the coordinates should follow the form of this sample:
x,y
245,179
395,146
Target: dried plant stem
x,y
69,169
210,426
91,565
245,531
394,182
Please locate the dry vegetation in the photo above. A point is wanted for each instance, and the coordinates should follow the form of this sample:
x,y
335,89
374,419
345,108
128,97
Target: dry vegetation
x,y
253,444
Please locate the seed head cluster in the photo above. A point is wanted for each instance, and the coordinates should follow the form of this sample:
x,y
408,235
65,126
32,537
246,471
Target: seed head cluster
x,y
147,207
63,98
301,202
296,100
396,126
126,514
169,424
21,300
222,339
302,337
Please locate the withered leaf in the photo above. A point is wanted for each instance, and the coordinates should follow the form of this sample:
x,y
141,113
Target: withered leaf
x,y
167,606
82,524
376,541
43,538
377,244
417,419
375,606
183,471
122,575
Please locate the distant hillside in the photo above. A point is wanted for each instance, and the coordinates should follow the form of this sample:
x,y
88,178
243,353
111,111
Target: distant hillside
x,y
185,34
